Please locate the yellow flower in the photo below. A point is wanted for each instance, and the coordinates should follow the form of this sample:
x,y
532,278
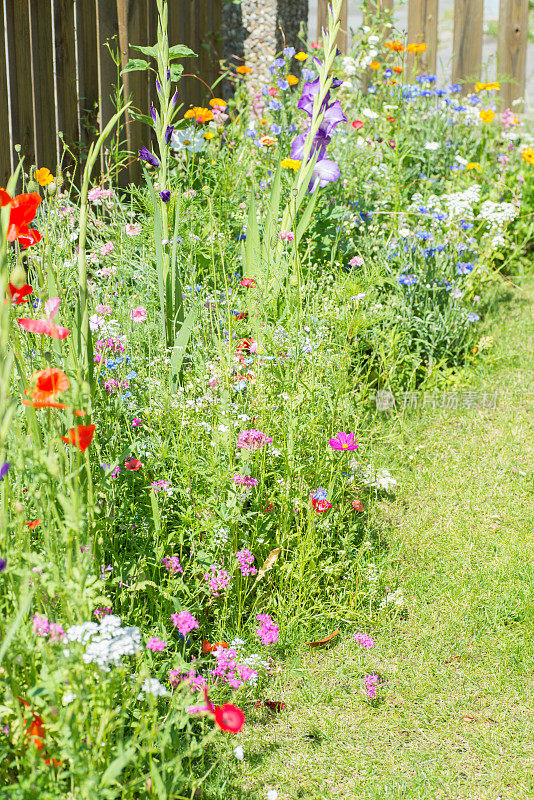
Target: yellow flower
x,y
375,65
487,115
267,141
292,80
301,56
480,87
199,114
396,46
416,48
527,154
43,176
217,101
290,163
474,165
209,135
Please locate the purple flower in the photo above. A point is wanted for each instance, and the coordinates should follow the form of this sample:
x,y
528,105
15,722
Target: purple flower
x,y
165,195
172,564
364,640
168,133
3,564
325,171
152,112
144,154
371,682
4,470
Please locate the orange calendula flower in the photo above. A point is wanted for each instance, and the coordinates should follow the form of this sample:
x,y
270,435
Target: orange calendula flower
x,y
292,80
218,101
396,46
527,154
480,87
301,56
487,115
375,64
199,114
43,176
416,47
81,436
398,70
290,163
243,70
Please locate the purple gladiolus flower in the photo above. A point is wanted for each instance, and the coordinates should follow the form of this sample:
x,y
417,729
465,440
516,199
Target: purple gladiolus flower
x,y
165,195
3,564
4,470
145,155
325,171
152,112
168,133
158,86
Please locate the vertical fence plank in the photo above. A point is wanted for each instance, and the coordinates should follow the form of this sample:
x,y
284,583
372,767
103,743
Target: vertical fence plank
x,y
423,27
86,43
133,30
467,47
322,22
512,49
20,79
44,100
66,91
107,31
5,145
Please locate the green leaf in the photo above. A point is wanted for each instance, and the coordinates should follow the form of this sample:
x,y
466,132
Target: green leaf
x,y
136,64
147,51
158,237
116,767
306,216
180,51
142,118
180,346
176,71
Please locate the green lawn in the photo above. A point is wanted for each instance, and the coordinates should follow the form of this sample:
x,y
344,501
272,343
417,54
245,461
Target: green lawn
x,y
456,714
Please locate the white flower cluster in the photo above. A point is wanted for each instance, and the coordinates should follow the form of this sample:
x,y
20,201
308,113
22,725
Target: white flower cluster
x,y
460,204
497,214
106,643
395,599
154,687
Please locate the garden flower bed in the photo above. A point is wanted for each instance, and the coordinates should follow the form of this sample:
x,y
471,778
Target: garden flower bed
x,y
191,375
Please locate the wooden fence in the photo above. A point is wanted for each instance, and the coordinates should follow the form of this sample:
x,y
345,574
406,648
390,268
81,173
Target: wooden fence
x,y
467,43
57,74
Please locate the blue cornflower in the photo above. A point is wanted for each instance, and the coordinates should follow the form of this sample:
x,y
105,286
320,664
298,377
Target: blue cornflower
x,y
388,72
265,90
465,226
371,90
4,469
131,375
423,210
250,132
407,280
455,88
465,267
423,235
320,493
276,129
308,74
278,62
282,84
275,105
126,395
440,216
111,363
473,317
289,52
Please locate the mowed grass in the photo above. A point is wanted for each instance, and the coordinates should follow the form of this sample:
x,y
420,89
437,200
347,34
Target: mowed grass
x,y
456,715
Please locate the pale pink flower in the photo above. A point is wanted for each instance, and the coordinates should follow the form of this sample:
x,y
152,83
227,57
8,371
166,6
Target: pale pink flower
x,y
371,682
40,625
104,310
286,236
138,314
253,440
107,248
156,645
133,229
184,621
356,261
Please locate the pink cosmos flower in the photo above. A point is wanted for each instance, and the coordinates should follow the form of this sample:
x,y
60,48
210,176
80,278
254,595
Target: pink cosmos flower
x,y
133,229
344,441
138,314
364,640
156,645
136,422
253,440
269,631
46,326
106,248
104,310
184,621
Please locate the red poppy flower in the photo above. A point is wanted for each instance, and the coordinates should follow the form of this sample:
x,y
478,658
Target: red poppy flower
x,y
33,524
357,124
242,315
229,718
357,505
133,464
248,282
43,404
81,436
320,505
247,345
210,648
23,210
29,237
36,728
5,198
18,293
48,384
46,326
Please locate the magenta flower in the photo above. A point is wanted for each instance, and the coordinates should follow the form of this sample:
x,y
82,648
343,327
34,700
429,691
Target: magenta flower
x,y
172,564
244,480
217,579
156,645
57,634
253,440
344,441
371,682
194,680
184,621
40,625
246,561
364,640
269,631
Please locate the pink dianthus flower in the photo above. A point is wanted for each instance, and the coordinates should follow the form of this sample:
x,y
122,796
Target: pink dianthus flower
x,y
269,631
253,440
184,621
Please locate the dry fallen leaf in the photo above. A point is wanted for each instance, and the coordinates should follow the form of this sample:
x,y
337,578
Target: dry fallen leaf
x,y
326,639
268,564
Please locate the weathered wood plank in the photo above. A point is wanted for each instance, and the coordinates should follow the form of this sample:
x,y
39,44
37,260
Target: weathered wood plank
x,y
467,47
5,142
322,22
44,99
423,27
20,77
86,42
133,30
512,49
66,90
